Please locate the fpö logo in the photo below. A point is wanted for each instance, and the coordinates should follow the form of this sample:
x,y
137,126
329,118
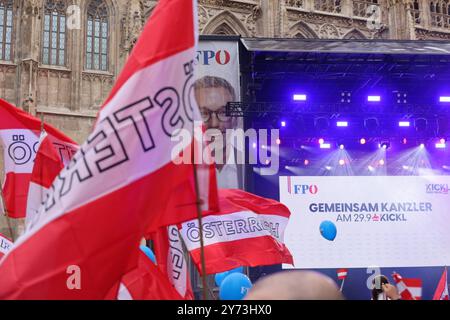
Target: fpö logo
x,y
301,188
437,188
208,57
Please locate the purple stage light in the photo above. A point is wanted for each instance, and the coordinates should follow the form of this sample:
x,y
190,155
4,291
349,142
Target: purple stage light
x,y
321,141
325,146
362,141
444,99
342,124
404,124
374,98
299,97
283,123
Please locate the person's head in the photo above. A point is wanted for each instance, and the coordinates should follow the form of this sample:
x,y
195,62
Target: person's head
x,y
295,285
377,285
212,95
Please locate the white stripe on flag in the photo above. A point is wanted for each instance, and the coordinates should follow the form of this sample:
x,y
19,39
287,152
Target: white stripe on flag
x,y
415,291
232,227
123,293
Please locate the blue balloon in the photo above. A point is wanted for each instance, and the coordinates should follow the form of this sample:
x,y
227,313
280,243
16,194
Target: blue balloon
x,y
149,253
219,277
234,287
328,230
237,270
222,275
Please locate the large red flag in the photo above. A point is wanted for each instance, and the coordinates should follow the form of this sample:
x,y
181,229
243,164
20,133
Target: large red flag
x,y
248,231
171,260
441,292
122,183
144,282
52,156
19,136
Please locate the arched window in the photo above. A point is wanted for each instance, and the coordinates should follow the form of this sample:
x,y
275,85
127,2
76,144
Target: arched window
x,y
97,32
54,36
6,29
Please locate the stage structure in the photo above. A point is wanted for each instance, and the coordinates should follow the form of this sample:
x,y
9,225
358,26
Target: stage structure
x,y
351,108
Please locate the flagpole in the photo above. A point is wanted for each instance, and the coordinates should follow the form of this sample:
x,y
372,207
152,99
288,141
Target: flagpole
x,y
200,223
342,285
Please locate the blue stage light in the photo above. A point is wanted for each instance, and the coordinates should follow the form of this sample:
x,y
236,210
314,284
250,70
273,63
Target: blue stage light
x,y
374,98
299,97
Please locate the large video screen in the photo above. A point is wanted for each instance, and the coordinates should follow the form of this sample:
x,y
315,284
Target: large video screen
x,y
358,221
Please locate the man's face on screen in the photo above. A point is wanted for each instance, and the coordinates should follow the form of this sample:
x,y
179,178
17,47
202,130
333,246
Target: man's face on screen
x,y
212,103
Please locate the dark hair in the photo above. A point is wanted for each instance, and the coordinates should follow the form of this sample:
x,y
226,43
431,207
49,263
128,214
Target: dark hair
x,y
378,280
214,82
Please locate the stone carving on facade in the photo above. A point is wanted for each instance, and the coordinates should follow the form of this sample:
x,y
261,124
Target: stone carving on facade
x,y
148,6
229,17
250,21
132,24
31,68
422,34
227,23
301,30
319,22
328,31
32,7
203,17
318,19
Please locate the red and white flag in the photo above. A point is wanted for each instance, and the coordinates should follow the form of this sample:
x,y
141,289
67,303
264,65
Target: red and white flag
x,y
52,156
144,282
5,245
171,260
248,231
409,288
123,182
342,274
19,136
441,292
